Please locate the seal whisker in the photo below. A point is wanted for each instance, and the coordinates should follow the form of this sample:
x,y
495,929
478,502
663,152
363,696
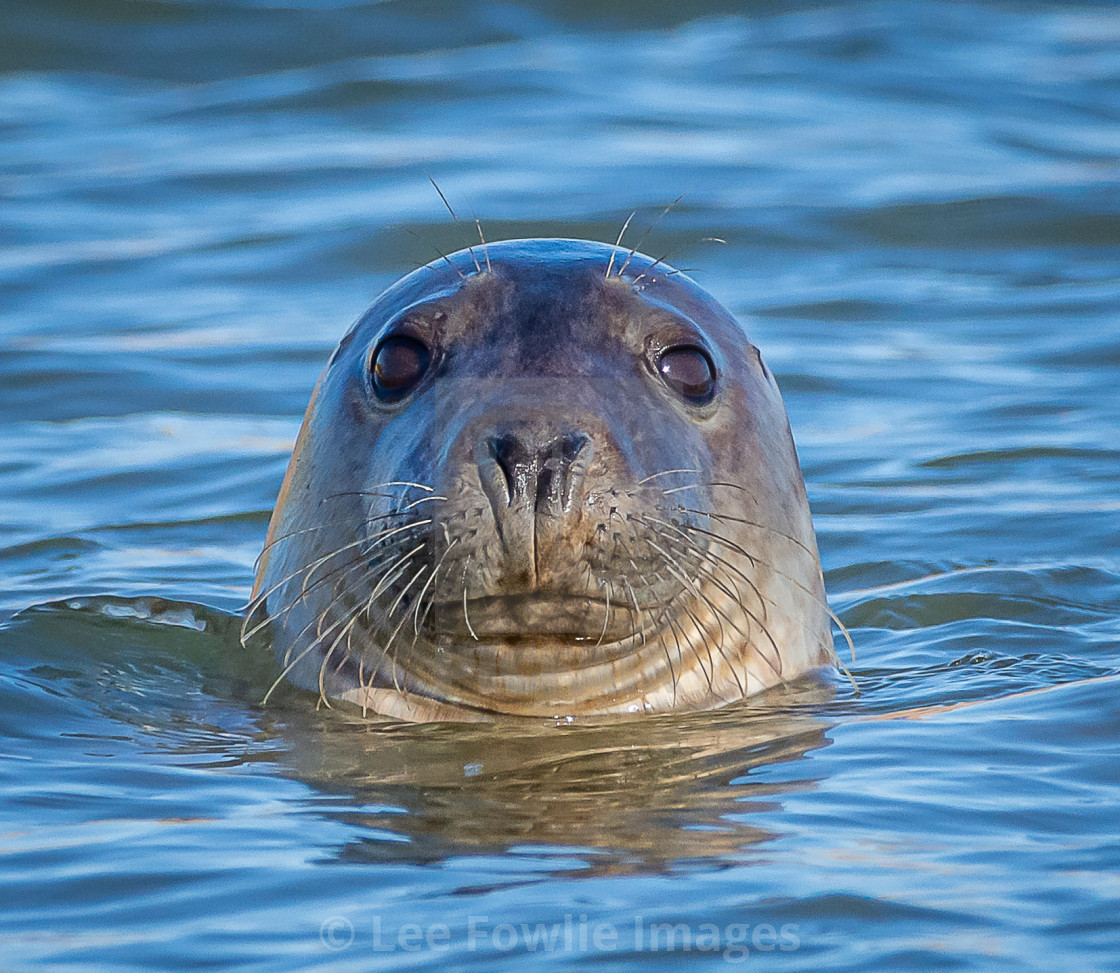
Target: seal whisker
x,y
702,636
361,579
396,603
821,604
397,512
745,521
455,220
361,682
368,566
761,622
323,665
667,615
290,535
389,614
678,489
752,523
718,614
325,662
323,525
394,572
649,230
655,613
653,476
672,271
348,625
660,631
731,546
741,683
765,600
637,629
261,600
466,616
774,667
285,672
290,665
663,257
709,673
482,240
443,256
406,529
618,243
671,566
606,612
308,570
683,531
374,489
669,660
417,620
307,587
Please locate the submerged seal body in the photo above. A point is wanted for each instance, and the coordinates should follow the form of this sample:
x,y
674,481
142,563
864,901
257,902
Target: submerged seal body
x,y
545,478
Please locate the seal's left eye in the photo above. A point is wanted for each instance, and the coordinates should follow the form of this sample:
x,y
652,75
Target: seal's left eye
x,y
398,365
689,372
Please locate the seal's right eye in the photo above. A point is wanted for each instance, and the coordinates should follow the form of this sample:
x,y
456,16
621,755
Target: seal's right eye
x,y
689,372
397,366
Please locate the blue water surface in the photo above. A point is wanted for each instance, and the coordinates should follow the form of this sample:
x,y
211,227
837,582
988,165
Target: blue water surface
x,y
919,209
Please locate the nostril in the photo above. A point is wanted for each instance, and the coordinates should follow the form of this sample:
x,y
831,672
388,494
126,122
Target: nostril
x,y
515,462
535,473
555,461
565,449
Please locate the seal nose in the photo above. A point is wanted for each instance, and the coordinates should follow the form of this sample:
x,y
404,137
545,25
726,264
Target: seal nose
x,y
540,475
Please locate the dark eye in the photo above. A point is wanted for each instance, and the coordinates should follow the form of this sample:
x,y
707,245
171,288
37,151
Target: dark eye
x,y
689,372
398,365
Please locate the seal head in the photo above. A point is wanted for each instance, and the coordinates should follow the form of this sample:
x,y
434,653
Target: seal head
x,y
550,478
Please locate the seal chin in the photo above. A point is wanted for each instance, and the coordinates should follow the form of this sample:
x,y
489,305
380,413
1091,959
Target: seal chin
x,y
563,486
532,618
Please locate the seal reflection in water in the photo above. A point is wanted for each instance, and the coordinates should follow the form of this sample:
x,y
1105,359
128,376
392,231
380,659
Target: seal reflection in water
x,y
545,478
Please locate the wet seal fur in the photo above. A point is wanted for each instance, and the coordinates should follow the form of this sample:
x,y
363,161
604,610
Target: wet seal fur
x,y
547,478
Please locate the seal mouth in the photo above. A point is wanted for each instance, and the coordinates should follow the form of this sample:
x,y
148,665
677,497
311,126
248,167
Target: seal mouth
x,y
532,616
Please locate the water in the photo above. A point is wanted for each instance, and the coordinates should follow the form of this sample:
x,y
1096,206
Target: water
x,y
921,209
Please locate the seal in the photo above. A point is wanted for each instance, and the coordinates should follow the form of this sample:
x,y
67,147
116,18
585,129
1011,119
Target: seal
x,y
546,478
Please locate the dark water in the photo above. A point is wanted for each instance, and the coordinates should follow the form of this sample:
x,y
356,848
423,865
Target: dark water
x,y
921,209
